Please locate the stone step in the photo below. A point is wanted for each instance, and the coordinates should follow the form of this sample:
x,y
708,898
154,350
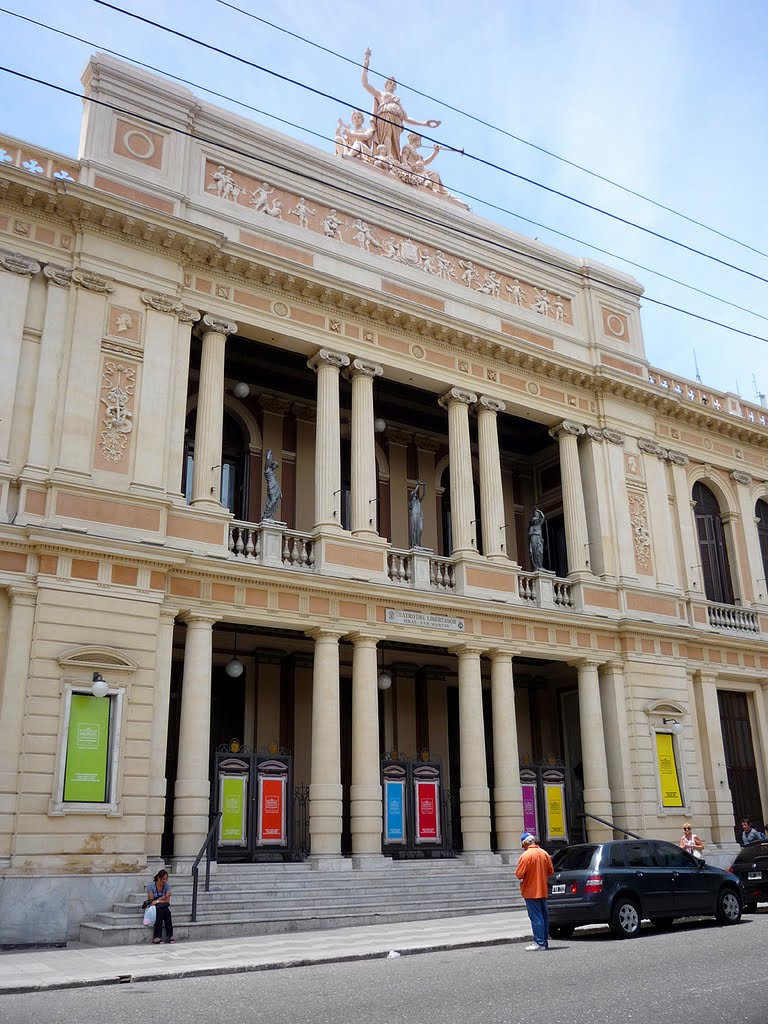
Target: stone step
x,y
101,934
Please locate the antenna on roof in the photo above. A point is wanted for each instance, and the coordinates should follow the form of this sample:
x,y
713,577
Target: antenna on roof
x,y
759,395
696,364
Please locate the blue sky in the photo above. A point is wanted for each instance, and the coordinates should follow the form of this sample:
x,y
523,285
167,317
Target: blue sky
x,y
667,97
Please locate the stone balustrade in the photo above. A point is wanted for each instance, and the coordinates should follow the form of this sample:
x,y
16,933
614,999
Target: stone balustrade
x,y
733,618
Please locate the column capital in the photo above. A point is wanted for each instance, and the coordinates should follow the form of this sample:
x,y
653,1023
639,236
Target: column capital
x,y
651,447
457,396
613,436
595,663
21,596
361,639
325,357
15,263
489,404
595,433
363,368
168,612
467,650
702,676
187,315
93,282
324,633
503,652
61,276
677,458
740,476
213,324
193,617
567,427
170,304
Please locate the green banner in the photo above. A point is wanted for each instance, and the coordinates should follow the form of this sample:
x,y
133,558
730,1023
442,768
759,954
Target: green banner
x,y
232,827
85,776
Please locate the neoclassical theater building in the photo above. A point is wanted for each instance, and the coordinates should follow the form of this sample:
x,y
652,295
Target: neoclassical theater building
x,y
333,509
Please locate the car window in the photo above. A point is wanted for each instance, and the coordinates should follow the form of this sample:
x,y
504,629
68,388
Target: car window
x,y
616,858
574,858
672,856
752,852
638,855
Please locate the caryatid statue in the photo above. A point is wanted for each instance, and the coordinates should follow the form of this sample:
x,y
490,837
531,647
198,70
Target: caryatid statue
x,y
390,117
416,513
536,540
274,494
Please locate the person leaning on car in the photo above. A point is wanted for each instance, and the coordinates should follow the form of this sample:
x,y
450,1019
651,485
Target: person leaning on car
x,y
533,870
748,833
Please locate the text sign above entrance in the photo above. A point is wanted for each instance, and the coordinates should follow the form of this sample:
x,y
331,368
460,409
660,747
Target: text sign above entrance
x,y
424,620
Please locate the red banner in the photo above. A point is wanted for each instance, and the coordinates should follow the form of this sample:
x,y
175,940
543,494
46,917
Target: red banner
x,y
427,812
271,810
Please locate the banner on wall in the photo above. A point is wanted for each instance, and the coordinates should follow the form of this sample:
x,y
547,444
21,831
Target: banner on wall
x,y
427,811
233,790
554,803
394,811
272,810
669,781
85,772
530,824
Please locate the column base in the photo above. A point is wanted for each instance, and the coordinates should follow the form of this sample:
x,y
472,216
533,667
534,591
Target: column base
x,y
328,862
480,858
509,856
371,862
183,866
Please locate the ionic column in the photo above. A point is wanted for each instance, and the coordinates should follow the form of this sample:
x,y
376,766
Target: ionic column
x,y
597,795
574,513
473,796
507,794
15,274
13,695
177,412
457,402
365,792
192,792
491,491
721,809
206,478
327,365
161,696
363,448
325,770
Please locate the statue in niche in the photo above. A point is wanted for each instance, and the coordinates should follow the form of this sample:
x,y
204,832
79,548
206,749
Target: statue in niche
x,y
416,513
390,117
536,540
274,494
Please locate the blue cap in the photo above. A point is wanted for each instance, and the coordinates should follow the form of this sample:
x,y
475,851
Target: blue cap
x,y
527,837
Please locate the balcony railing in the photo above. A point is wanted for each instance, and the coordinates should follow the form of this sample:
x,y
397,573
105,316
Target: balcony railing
x,y
399,567
731,617
264,544
420,570
442,574
544,590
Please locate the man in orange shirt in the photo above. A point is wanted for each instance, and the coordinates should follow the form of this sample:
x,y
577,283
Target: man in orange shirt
x,y
533,870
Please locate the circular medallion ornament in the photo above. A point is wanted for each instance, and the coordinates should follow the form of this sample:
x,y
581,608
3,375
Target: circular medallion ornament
x,y
280,309
707,444
139,144
533,387
417,352
615,325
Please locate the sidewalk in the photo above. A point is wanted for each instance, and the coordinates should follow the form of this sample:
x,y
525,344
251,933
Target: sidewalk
x,y
75,966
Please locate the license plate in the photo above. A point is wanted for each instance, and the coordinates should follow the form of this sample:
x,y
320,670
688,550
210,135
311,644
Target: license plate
x,y
559,888
753,876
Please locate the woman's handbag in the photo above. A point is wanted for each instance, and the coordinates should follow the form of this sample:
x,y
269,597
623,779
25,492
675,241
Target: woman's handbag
x,y
150,916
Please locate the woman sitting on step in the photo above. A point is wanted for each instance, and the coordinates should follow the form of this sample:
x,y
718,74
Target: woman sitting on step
x,y
159,896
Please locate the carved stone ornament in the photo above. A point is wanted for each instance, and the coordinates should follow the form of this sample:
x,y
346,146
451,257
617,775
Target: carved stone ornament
x,y
568,427
60,276
362,368
613,436
15,263
595,433
187,315
641,535
740,476
457,395
493,404
162,303
216,325
93,282
329,358
677,458
651,447
117,390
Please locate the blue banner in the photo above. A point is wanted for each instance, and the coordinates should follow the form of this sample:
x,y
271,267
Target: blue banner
x,y
394,811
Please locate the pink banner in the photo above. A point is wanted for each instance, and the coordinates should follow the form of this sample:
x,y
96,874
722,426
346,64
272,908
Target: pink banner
x,y
529,809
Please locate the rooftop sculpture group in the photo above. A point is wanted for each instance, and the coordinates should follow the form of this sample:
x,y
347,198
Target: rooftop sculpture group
x,y
379,143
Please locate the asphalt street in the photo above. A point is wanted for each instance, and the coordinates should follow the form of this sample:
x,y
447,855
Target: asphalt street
x,y
697,971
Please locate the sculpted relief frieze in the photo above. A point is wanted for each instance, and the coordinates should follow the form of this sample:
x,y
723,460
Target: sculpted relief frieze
x,y
238,189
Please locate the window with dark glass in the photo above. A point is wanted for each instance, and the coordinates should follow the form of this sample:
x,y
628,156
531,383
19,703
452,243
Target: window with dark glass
x,y
715,570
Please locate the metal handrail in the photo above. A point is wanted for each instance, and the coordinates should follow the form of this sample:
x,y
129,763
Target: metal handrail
x,y
204,849
610,824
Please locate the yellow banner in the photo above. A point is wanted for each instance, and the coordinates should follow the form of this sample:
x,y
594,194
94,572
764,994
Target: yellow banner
x,y
554,800
671,795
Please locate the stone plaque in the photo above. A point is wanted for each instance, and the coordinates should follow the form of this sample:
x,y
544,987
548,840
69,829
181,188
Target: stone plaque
x,y
425,620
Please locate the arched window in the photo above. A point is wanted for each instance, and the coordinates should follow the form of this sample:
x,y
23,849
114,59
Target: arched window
x,y
712,548
761,514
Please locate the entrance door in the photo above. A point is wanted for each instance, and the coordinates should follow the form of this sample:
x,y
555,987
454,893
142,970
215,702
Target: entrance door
x,y
739,756
255,798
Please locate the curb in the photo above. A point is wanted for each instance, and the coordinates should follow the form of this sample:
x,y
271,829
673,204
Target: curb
x,y
276,965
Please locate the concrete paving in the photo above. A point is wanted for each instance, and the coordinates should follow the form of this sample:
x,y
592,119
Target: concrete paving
x,y
39,970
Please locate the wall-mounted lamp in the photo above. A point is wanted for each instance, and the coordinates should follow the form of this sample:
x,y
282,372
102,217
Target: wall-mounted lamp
x,y
241,389
384,680
234,667
379,425
100,686
674,725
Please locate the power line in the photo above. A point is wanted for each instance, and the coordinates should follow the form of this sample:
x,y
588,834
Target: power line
x,y
326,138
497,128
422,218
471,156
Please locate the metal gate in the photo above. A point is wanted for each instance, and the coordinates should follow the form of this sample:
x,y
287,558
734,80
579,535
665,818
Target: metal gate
x,y
545,808
416,808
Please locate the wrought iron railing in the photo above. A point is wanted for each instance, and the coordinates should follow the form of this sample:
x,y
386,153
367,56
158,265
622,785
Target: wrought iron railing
x,y
732,617
207,849
300,822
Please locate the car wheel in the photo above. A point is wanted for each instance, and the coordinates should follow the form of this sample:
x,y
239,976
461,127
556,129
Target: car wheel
x,y
662,923
728,907
561,931
750,908
625,918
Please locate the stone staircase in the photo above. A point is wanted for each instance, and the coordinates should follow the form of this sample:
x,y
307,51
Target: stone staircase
x,y
267,899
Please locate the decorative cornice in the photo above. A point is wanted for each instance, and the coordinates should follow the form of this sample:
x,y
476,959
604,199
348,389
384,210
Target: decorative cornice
x,y
93,282
61,276
15,263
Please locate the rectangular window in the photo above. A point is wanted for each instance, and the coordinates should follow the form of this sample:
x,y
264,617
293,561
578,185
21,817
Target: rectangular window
x,y
87,764
670,788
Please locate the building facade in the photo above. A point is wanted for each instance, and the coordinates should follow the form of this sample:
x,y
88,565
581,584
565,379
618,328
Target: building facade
x,y
381,532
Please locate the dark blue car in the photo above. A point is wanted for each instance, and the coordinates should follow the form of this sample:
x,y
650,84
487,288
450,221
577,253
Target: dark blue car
x,y
623,882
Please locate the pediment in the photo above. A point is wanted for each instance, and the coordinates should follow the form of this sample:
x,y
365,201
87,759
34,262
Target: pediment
x,y
97,657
